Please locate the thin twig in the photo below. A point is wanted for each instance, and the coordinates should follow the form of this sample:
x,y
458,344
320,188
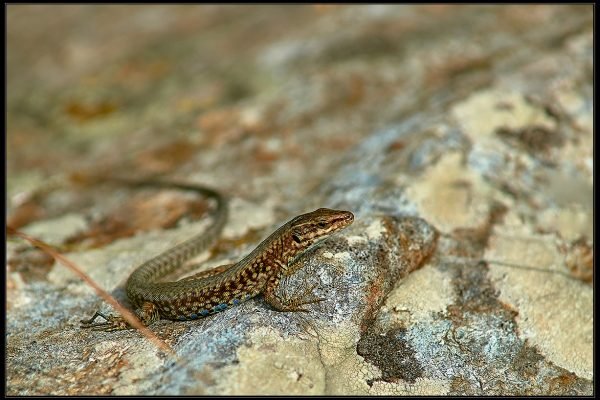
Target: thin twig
x,y
510,265
128,315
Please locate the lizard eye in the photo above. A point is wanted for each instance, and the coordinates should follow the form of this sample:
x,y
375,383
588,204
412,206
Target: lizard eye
x,y
296,236
322,224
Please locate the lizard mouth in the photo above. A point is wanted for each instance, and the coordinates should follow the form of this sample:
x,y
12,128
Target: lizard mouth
x,y
345,218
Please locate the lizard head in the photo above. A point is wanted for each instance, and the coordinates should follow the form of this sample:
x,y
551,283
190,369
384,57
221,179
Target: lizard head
x,y
308,229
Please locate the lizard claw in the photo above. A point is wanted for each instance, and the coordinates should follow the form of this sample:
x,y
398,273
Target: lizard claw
x,y
111,323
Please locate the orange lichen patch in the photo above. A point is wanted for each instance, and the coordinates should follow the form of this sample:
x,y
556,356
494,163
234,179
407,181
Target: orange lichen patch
x,y
263,154
141,213
167,157
337,143
220,126
83,112
209,95
343,92
415,254
86,178
559,384
25,213
396,145
354,90
136,72
532,138
31,263
323,8
579,259
373,299
19,137
440,73
436,8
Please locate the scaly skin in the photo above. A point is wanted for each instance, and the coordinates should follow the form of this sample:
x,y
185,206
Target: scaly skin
x,y
217,289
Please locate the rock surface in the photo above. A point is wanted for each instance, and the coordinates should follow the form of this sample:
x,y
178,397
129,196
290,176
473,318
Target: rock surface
x,y
460,136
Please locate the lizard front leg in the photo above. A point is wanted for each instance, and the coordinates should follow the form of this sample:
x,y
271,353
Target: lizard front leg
x,y
294,303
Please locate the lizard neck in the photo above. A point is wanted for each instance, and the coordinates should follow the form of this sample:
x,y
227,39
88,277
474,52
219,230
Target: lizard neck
x,y
274,253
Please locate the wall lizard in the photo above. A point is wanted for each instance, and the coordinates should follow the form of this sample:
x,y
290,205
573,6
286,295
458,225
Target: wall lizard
x,y
219,288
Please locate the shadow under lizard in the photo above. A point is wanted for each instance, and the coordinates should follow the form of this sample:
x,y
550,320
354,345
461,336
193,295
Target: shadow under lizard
x,y
217,289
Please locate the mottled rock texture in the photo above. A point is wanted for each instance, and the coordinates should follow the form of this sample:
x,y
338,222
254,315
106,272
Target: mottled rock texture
x,y
460,136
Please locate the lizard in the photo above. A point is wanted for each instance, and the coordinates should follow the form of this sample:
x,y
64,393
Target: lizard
x,y
217,289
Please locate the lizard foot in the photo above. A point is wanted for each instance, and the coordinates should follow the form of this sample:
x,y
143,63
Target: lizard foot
x,y
111,323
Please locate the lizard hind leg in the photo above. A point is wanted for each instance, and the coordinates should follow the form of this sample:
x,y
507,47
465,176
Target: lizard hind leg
x,y
110,323
148,314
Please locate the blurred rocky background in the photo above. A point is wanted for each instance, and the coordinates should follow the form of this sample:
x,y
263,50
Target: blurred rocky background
x,y
460,136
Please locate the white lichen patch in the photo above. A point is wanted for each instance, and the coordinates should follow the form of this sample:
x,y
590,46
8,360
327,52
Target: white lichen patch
x,y
356,240
344,336
142,362
484,112
568,190
571,223
347,372
111,264
21,185
424,292
350,373
555,313
451,195
56,230
16,296
421,387
343,256
571,100
272,365
244,215
375,230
